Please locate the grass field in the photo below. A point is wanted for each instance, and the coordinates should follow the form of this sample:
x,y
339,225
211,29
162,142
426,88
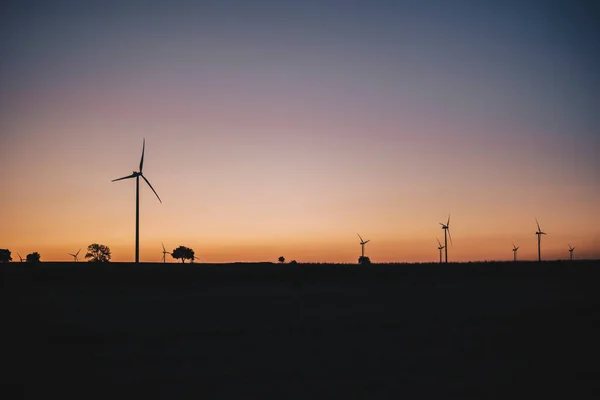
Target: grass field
x,y
303,331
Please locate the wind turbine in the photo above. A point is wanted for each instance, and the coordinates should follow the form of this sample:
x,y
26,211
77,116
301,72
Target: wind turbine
x,y
75,255
440,248
539,234
571,252
362,244
136,175
20,258
165,252
446,228
515,248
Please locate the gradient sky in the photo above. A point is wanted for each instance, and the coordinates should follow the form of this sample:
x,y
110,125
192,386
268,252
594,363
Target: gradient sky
x,y
284,128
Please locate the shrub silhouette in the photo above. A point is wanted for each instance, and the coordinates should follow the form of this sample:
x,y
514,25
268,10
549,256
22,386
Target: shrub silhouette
x,y
364,260
98,253
183,253
33,257
293,262
281,259
5,255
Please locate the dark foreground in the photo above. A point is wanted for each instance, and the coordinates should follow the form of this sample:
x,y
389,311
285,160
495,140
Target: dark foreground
x,y
302,332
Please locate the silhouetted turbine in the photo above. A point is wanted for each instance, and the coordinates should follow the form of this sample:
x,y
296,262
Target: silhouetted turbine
x,y
446,228
362,244
539,234
440,248
75,255
571,252
165,252
515,248
137,175
20,258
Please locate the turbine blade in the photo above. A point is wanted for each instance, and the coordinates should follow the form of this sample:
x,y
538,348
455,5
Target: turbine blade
x,y
125,177
442,224
142,159
448,223
151,188
77,252
367,241
513,243
439,244
449,235
361,239
163,245
538,225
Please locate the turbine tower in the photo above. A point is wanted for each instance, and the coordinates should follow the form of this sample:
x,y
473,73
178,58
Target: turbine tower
x,y
515,248
446,228
440,248
75,255
137,175
571,252
539,234
362,244
165,252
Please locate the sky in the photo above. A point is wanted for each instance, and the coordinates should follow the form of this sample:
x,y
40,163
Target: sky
x,y
284,128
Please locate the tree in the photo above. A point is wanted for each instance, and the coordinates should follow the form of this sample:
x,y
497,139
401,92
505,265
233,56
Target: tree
x,y
281,259
183,253
98,253
5,255
293,262
33,257
364,260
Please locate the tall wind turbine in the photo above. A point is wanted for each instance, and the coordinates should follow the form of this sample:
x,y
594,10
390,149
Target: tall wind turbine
x,y
440,248
515,248
20,258
446,228
75,255
137,175
571,252
165,252
539,234
362,244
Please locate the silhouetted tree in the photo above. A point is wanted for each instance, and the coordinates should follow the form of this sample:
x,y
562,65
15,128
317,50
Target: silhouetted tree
x,y
364,260
33,257
98,253
281,259
5,255
183,253
293,262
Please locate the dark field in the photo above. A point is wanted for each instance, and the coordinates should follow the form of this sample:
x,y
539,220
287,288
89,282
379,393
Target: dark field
x,y
303,331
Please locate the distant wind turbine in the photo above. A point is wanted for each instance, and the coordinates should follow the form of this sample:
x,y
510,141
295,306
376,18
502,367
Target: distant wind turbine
x,y
440,248
539,234
515,248
165,252
446,228
137,175
75,255
20,258
362,244
571,252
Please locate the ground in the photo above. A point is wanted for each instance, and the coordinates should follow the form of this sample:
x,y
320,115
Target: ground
x,y
303,331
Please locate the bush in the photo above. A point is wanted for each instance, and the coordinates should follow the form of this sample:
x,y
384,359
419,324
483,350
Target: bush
x,y
33,257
